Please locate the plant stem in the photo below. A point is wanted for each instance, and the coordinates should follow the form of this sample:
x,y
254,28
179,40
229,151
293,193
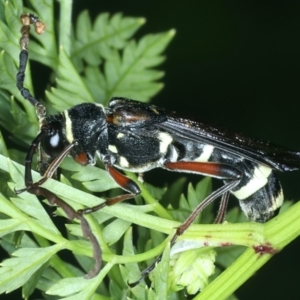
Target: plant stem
x,y
278,232
157,207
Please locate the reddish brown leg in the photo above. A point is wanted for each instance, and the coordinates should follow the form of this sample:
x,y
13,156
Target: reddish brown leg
x,y
222,209
36,189
124,182
73,214
218,170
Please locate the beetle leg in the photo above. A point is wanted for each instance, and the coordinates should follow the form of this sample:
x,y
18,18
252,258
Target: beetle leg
x,y
218,170
51,168
182,228
212,169
222,208
35,189
124,182
73,214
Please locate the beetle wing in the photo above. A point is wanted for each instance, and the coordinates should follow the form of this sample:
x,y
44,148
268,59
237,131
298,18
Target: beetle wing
x,y
256,150
136,115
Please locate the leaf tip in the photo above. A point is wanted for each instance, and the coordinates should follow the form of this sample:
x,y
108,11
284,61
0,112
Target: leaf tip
x,y
141,21
172,32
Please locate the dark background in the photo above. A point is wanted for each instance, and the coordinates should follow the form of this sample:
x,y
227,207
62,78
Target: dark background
x,y
236,64
233,63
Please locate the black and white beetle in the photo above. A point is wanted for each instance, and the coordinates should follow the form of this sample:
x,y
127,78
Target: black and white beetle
x,y
138,137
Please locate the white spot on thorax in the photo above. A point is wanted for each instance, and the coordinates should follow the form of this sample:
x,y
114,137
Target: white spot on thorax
x,y
112,148
120,135
123,162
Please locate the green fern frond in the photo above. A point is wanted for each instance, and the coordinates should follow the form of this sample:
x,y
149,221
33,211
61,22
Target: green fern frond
x,y
93,61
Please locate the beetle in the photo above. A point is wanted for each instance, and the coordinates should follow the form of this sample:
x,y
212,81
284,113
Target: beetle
x,y
134,136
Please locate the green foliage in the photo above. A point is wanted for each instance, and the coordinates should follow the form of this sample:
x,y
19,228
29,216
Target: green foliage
x,y
94,61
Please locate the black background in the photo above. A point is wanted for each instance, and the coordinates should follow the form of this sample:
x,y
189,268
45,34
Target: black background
x,y
236,64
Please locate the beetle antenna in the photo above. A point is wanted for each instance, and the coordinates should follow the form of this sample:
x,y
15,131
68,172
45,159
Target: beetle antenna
x,y
45,130
27,20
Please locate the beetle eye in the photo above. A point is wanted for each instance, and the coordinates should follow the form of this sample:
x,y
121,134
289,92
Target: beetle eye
x,y
52,144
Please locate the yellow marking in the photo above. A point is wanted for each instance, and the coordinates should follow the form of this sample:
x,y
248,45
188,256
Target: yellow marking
x,y
277,202
165,141
68,126
258,180
120,135
124,162
154,110
206,153
99,105
112,148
